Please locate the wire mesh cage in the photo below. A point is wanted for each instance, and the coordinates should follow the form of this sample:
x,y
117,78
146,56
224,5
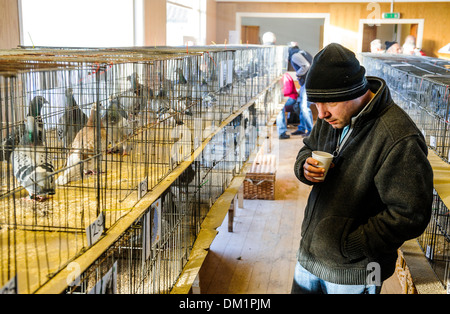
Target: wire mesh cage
x,y
88,134
438,106
435,241
421,87
151,254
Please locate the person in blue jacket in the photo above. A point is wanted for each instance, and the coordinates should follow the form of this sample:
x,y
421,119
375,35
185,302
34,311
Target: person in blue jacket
x,y
301,62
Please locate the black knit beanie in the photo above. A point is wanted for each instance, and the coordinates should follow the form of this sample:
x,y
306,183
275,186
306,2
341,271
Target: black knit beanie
x,y
389,44
335,76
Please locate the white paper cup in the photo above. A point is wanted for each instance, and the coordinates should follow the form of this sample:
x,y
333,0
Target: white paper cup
x,y
324,160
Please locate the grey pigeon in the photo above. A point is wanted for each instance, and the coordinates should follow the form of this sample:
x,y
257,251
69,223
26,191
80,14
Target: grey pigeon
x,y
84,146
117,126
13,139
169,107
72,120
32,163
166,109
181,77
208,98
35,111
143,95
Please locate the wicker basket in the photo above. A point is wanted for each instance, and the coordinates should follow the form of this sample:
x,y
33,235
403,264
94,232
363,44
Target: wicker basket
x,y
260,181
404,275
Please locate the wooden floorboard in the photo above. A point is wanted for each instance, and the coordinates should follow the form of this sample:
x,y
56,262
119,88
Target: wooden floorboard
x,y
259,256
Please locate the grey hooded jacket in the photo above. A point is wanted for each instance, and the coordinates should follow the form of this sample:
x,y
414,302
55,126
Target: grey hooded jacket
x,y
378,194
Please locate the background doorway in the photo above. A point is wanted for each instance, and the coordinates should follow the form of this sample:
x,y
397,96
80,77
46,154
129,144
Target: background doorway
x,y
250,34
308,30
308,33
389,30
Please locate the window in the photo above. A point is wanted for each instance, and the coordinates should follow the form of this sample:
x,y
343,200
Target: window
x,y
77,23
186,20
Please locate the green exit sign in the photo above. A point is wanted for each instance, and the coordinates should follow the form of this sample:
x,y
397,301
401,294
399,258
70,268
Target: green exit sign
x,y
394,15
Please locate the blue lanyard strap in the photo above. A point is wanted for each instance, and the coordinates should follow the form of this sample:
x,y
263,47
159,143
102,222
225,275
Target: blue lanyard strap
x,y
341,140
344,133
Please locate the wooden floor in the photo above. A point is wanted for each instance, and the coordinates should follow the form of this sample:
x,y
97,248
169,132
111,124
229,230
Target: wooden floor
x,y
259,256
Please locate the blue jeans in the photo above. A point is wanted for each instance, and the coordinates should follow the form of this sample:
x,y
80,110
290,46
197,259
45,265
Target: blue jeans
x,y
307,283
281,118
306,117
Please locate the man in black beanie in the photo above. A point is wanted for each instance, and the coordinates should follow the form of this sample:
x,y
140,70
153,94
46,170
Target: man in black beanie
x,y
379,190
393,47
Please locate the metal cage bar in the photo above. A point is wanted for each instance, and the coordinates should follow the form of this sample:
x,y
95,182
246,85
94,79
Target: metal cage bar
x,y
89,134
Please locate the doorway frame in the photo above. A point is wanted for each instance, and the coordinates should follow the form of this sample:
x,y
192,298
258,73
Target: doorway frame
x,y
325,16
419,22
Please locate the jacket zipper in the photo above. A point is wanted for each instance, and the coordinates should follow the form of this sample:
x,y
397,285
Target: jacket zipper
x,y
340,143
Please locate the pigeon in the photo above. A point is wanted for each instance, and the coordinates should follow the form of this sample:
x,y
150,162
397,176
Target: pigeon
x,y
84,147
225,89
240,75
182,88
143,95
189,174
166,107
117,126
31,163
13,139
184,189
184,105
35,111
180,76
167,111
208,97
208,100
72,120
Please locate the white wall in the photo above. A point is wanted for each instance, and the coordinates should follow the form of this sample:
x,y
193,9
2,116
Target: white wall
x,y
305,31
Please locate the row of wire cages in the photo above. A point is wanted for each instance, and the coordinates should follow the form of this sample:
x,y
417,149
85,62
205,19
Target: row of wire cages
x,y
86,134
420,85
151,254
435,241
